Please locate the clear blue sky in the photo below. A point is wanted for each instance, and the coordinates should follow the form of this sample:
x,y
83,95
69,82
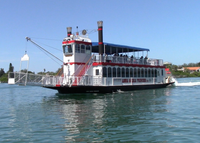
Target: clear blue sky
x,y
169,28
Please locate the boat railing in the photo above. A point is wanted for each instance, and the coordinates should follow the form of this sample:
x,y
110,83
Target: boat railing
x,y
96,81
127,60
25,78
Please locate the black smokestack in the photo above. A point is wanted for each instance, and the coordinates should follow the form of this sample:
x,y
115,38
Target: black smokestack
x,y
100,31
69,31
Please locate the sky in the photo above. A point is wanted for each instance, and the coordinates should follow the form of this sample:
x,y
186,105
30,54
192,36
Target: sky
x,y
169,28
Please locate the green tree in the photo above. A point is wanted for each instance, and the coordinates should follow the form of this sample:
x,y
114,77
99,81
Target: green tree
x,y
11,68
2,72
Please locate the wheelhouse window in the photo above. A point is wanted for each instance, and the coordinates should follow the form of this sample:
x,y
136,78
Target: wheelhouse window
x,y
88,51
67,49
77,48
82,48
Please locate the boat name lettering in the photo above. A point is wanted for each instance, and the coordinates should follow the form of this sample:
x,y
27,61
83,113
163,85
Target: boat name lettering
x,y
134,80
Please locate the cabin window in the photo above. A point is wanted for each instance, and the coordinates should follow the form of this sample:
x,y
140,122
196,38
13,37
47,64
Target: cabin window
x,y
114,72
131,72
87,49
97,71
158,73
152,73
142,72
155,73
82,48
77,48
123,72
135,72
109,72
149,73
67,49
127,72
104,72
145,73
138,73
118,72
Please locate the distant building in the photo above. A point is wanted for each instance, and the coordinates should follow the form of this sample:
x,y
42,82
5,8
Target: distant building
x,y
167,63
181,69
191,69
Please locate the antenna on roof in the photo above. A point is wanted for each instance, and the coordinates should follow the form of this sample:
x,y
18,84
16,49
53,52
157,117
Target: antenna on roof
x,y
77,30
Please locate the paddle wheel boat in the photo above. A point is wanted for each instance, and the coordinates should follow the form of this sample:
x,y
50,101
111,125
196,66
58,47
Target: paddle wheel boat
x,y
100,67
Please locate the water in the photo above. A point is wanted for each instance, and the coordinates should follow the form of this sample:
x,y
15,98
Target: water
x,y
35,114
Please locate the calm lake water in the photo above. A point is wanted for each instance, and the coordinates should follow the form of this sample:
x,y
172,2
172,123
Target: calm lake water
x,y
35,114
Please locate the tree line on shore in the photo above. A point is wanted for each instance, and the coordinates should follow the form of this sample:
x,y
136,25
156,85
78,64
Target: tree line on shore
x,y
176,73
4,75
173,69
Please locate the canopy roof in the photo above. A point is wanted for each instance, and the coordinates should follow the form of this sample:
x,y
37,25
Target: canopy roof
x,y
115,48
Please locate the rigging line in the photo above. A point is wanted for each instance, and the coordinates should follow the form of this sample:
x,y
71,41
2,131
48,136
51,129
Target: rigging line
x,y
43,49
50,46
26,48
46,38
49,56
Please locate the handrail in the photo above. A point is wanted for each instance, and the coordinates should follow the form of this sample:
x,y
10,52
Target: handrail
x,y
80,66
61,70
85,65
75,80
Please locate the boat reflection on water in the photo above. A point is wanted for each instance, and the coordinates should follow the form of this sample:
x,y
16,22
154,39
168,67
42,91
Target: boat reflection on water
x,y
98,113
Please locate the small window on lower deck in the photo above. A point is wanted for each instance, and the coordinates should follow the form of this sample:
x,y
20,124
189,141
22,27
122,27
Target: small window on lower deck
x,y
109,72
104,72
97,71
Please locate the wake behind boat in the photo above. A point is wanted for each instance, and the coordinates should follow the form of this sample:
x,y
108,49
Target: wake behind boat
x,y
100,67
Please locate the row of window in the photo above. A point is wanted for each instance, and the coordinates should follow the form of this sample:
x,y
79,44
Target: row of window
x,y
129,72
79,48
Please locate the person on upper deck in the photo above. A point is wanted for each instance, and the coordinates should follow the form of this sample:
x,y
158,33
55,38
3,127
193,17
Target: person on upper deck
x,y
145,60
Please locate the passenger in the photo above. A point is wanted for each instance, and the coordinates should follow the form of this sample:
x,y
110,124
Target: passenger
x,y
141,59
145,60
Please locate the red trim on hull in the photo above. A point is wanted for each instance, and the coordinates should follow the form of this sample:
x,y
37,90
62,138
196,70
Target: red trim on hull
x,y
126,65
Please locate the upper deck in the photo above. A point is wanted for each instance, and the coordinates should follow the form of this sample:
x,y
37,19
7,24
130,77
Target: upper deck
x,y
124,60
